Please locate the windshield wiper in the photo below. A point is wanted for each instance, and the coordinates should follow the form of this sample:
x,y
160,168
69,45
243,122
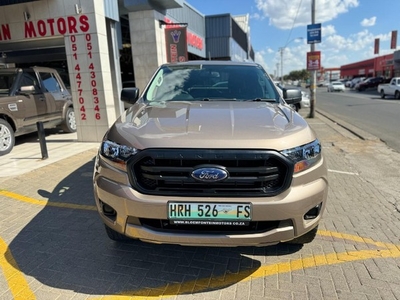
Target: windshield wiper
x,y
261,100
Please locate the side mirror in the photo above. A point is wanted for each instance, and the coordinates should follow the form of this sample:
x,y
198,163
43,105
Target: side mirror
x,y
292,96
130,95
27,89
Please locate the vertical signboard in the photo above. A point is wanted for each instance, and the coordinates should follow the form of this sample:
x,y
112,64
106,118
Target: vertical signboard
x,y
314,33
376,46
175,40
89,76
313,60
393,41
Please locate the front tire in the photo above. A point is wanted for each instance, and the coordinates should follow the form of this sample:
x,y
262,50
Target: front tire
x,y
115,236
306,238
69,124
382,94
7,137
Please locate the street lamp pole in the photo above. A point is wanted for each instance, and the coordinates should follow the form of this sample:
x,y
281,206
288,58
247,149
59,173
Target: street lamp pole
x,y
281,50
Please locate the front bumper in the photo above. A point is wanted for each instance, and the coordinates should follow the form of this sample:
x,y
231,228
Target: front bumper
x,y
308,190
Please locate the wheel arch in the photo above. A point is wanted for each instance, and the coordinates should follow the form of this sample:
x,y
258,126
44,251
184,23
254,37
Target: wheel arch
x,y
9,120
68,104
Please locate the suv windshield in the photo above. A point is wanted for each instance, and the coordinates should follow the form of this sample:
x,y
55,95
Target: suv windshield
x,y
211,82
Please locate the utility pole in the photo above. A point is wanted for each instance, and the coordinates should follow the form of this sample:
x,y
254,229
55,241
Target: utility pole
x,y
313,82
281,50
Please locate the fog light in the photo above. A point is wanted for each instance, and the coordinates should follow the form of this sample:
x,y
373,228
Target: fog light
x,y
313,212
108,211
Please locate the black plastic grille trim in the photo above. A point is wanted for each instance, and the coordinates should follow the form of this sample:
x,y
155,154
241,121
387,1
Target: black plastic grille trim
x,y
252,173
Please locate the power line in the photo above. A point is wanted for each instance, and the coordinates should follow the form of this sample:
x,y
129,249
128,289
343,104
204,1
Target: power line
x,y
294,21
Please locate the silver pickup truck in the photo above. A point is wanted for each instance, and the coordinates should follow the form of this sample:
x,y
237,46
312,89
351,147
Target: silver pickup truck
x,y
390,89
32,95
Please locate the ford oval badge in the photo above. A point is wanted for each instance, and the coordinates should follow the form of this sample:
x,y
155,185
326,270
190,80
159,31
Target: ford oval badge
x,y
209,174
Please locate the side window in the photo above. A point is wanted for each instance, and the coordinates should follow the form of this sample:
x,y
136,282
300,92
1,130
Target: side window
x,y
50,83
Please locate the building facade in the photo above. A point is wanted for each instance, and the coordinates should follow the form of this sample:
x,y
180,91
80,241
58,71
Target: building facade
x,y
98,45
386,66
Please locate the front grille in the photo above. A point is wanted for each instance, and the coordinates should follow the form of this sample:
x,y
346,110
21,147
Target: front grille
x,y
252,173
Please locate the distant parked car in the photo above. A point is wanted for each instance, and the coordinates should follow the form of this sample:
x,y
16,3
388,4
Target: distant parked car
x,y
356,81
347,83
336,86
372,82
305,100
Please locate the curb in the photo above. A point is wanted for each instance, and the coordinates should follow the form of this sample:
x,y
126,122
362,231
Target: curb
x,y
351,128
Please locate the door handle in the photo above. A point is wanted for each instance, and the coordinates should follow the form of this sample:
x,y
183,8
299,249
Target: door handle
x,y
42,98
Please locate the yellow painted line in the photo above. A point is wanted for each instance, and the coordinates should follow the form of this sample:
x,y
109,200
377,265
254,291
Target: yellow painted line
x,y
17,283
45,202
20,288
204,285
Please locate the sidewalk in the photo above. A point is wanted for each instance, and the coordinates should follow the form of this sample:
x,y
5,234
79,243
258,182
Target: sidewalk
x,y
27,154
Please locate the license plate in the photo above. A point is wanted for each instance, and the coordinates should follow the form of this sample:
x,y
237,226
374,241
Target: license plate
x,y
209,211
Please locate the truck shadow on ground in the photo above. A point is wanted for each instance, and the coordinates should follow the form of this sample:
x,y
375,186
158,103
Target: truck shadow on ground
x,y
67,248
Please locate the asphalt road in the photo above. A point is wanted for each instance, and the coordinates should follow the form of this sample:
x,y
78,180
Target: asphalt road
x,y
365,110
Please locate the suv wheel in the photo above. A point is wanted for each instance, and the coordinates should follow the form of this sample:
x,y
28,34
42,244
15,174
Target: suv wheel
x,y
7,137
115,236
306,238
69,124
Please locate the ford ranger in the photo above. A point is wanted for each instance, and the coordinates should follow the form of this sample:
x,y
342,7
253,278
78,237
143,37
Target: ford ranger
x,y
32,95
211,154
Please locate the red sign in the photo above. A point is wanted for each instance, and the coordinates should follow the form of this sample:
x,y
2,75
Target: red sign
x,y
313,60
175,39
193,40
49,27
376,47
393,42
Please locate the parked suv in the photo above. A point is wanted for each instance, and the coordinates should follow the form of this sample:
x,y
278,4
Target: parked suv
x,y
211,154
32,95
372,82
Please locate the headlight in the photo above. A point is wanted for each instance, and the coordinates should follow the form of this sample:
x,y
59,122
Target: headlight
x,y
304,156
116,152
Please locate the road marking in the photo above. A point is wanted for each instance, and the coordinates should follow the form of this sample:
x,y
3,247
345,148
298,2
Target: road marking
x,y
17,283
20,288
203,285
343,172
46,202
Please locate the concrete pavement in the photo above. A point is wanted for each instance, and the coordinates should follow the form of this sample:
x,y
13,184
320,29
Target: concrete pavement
x,y
53,244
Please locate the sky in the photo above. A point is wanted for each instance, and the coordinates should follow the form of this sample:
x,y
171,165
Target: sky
x,y
348,29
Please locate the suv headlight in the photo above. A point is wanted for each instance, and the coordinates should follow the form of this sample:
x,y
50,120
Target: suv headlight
x,y
116,152
304,156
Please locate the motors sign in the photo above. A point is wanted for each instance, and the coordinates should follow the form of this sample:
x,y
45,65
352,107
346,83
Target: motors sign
x,y
313,60
45,28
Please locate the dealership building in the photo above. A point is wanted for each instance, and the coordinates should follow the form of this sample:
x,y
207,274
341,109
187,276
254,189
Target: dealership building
x,y
385,65
99,46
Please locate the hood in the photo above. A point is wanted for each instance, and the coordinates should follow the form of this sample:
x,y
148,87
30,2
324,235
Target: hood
x,y
214,124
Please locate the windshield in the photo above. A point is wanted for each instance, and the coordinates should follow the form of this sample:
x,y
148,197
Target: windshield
x,y
211,83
